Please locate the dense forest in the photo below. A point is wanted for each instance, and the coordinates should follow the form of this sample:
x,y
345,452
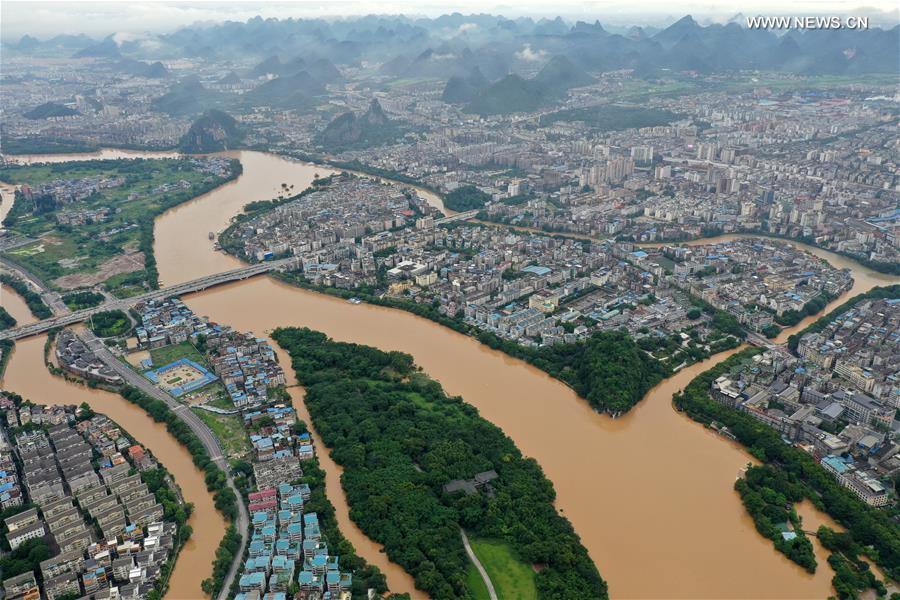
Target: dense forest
x,y
110,323
608,369
852,574
766,493
400,439
871,529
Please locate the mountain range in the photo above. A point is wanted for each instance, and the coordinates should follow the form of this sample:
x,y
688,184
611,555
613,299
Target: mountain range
x,y
453,45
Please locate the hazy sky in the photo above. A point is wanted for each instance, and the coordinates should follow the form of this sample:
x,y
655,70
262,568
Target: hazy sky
x,y
99,18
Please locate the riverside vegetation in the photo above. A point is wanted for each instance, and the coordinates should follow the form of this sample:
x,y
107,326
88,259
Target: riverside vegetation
x,y
400,438
32,299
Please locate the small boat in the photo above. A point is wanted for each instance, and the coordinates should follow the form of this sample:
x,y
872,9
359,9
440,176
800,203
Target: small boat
x,y
354,301
212,235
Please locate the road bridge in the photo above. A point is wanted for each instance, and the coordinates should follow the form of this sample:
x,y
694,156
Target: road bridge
x,y
463,216
62,320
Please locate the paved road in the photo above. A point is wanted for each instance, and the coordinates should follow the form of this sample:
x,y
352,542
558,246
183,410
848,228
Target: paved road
x,y
209,440
12,241
478,565
51,298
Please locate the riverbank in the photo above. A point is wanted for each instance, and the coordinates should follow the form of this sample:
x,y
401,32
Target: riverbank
x,y
27,376
143,190
620,374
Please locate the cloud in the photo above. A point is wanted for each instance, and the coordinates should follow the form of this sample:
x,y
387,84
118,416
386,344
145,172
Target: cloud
x,y
526,53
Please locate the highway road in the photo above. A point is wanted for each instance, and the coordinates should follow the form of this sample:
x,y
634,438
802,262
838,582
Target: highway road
x,y
209,440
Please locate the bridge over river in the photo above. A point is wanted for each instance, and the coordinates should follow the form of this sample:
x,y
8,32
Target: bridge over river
x,y
61,320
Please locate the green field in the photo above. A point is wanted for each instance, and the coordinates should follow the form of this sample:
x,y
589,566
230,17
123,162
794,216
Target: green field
x,y
167,354
229,430
512,578
476,584
71,254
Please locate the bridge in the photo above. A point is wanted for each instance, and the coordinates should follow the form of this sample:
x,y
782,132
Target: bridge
x,y
463,216
62,320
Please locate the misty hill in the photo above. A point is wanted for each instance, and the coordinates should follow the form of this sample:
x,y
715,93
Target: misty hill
x,y
321,69
292,91
105,49
452,45
324,70
509,95
673,34
515,94
212,132
48,110
461,90
155,70
27,43
231,78
350,130
270,65
560,73
186,97
441,62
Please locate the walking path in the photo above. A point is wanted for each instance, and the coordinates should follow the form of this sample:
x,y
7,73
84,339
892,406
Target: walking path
x,y
478,565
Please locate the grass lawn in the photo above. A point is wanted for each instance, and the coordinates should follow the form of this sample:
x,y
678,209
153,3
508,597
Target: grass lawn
x,y
166,354
229,430
476,584
221,399
511,577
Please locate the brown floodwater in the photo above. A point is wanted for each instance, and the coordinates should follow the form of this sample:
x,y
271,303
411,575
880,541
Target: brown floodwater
x,y
27,376
182,246
15,306
177,235
650,494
